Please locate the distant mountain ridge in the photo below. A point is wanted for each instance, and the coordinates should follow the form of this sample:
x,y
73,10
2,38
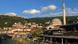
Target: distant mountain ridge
x,y
70,19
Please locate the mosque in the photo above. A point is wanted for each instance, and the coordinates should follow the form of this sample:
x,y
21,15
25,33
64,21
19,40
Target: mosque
x,y
57,33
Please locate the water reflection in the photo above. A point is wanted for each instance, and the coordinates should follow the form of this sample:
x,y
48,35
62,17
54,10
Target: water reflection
x,y
8,41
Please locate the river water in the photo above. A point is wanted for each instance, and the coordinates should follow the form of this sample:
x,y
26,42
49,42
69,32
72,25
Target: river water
x,y
10,41
7,41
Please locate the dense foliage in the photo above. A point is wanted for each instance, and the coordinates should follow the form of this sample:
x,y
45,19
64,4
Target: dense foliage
x,y
8,21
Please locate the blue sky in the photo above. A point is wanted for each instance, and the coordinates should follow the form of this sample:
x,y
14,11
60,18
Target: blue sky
x,y
37,8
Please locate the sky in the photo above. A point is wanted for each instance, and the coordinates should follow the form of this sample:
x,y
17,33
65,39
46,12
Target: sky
x,y
38,8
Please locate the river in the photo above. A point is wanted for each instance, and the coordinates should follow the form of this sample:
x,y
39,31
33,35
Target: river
x,y
7,41
10,41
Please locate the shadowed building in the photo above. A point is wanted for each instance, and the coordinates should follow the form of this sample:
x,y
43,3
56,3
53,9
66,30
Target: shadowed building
x,y
69,34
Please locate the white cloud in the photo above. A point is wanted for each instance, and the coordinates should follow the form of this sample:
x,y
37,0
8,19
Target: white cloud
x,y
50,7
42,10
10,14
46,11
32,11
72,11
45,8
69,12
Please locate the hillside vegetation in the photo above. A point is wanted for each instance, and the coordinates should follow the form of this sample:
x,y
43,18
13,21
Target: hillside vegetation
x,y
8,21
70,19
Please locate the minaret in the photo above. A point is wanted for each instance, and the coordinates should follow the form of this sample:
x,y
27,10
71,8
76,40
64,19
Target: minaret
x,y
64,12
64,16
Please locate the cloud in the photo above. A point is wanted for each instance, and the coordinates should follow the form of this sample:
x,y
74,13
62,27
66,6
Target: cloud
x,y
43,9
55,14
50,11
32,11
72,11
69,12
50,7
9,14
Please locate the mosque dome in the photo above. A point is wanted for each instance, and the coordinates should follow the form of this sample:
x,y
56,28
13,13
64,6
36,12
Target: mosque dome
x,y
56,22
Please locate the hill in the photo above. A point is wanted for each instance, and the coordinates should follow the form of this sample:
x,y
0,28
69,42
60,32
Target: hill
x,y
8,21
70,19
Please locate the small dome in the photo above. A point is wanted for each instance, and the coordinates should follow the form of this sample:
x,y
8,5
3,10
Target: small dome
x,y
56,21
